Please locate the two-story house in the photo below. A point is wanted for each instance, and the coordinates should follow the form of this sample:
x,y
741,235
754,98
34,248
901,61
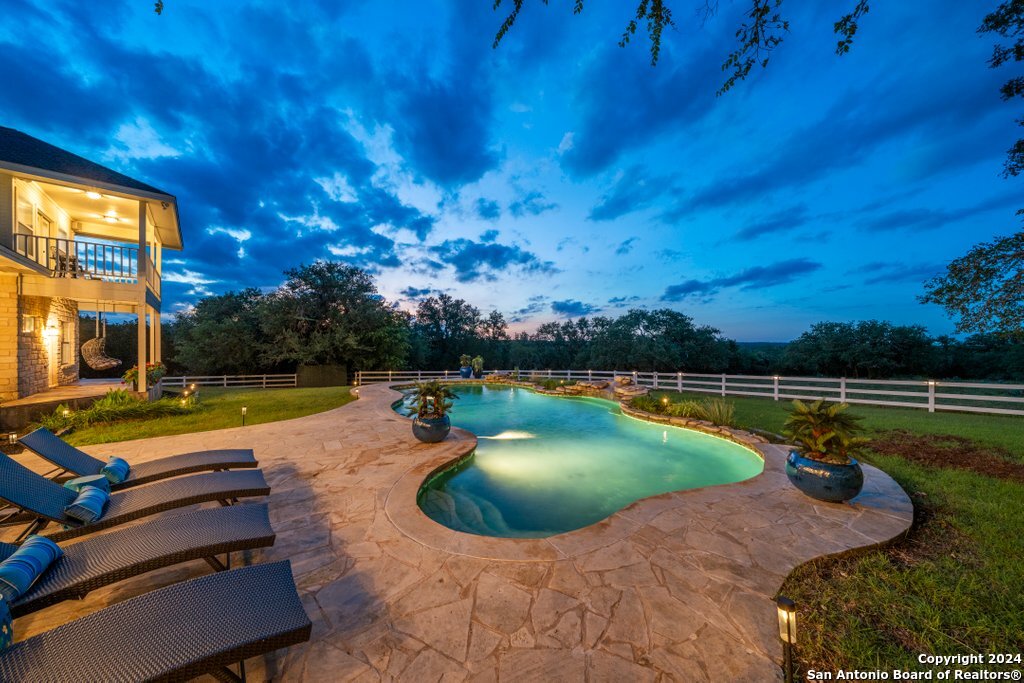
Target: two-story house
x,y
75,237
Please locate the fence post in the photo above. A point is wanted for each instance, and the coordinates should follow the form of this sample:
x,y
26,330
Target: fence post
x,y
842,390
775,387
549,373
931,396
264,381
723,384
655,380
634,377
590,375
419,375
569,377
679,382
225,380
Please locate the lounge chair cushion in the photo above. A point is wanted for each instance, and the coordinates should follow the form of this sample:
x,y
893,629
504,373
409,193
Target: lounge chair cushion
x,y
19,571
6,625
88,505
116,470
100,481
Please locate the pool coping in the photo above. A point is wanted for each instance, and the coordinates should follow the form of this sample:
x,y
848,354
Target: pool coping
x,y
881,496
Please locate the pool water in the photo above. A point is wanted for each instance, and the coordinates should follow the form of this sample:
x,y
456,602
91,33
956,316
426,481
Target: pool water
x,y
546,465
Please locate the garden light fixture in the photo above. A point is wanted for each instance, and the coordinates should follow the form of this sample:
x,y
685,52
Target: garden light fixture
x,y
244,411
66,413
787,633
12,438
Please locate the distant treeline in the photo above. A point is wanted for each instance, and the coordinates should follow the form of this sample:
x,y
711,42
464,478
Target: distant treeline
x,y
331,313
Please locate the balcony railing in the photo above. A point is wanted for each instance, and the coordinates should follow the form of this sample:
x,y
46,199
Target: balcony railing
x,y
68,258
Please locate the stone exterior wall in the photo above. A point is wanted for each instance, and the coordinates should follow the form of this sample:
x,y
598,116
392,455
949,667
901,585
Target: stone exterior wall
x,y
8,336
33,352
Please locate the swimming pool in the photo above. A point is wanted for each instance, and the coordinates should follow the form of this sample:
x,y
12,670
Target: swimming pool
x,y
545,465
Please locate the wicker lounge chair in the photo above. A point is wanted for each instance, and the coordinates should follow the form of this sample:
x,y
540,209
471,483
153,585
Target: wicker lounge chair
x,y
23,489
108,558
51,447
171,634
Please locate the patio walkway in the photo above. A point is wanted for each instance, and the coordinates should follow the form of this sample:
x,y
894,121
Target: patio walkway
x,y
674,587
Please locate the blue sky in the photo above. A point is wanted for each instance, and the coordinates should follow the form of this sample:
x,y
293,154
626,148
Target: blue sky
x,y
559,175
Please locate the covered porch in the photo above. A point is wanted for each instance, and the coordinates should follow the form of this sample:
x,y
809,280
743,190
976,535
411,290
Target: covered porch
x,y
14,415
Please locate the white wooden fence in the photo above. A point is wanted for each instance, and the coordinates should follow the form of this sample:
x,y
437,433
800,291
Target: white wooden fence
x,y
234,381
932,395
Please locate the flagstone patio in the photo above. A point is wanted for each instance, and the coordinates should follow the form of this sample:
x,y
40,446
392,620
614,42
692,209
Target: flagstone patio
x,y
674,587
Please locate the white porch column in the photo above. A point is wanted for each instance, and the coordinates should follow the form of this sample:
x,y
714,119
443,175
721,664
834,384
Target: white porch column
x,y
141,306
156,332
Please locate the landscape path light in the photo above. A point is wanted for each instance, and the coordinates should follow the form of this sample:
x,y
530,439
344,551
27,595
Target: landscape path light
x,y
787,633
12,438
244,411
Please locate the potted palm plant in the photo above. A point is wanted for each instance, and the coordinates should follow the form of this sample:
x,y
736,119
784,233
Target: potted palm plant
x,y
825,437
478,367
430,403
465,366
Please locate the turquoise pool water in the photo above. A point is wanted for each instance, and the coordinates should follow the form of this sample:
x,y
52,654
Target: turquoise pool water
x,y
547,465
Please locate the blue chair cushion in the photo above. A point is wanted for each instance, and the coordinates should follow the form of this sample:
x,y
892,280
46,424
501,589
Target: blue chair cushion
x,y
6,625
88,506
19,571
100,481
116,470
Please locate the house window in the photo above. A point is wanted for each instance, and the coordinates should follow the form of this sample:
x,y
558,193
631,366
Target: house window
x,y
24,232
67,343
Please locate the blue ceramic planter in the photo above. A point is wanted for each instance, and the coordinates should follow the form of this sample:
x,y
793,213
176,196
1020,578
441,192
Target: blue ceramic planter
x,y
465,372
431,430
825,481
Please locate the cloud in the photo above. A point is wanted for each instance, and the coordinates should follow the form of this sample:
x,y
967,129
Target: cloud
x,y
488,209
489,235
533,203
928,218
624,104
757,277
785,220
622,301
633,191
473,261
570,308
626,246
415,292
883,272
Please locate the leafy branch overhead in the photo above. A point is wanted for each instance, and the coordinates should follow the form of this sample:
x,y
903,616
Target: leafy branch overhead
x,y
756,38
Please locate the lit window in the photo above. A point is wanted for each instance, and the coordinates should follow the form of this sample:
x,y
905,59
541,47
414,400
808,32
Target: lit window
x,y
24,232
67,343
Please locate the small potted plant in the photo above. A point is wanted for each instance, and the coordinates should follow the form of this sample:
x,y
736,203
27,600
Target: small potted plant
x,y
430,403
154,372
466,367
478,367
825,436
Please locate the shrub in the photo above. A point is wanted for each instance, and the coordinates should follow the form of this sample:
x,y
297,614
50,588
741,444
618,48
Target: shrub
x,y
824,431
650,404
690,409
430,399
719,411
154,372
116,406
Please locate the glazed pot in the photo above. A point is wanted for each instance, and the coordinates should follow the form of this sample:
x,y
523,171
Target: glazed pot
x,y
478,374
465,372
825,481
431,429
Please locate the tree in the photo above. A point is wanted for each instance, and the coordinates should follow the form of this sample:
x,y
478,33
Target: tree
x,y
1008,21
331,313
220,335
761,32
984,289
445,328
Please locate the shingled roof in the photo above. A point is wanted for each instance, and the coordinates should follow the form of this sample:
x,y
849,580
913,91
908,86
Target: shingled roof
x,y
18,148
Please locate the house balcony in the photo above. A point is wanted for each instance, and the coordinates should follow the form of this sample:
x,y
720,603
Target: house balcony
x,y
86,270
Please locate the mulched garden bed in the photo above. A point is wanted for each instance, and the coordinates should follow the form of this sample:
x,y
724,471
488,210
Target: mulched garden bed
x,y
946,450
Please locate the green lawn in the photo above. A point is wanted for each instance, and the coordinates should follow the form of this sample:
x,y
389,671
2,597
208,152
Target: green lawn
x,y
954,585
220,408
1001,431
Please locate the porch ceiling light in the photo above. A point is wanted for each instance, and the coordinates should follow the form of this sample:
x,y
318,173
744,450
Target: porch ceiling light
x,y
92,194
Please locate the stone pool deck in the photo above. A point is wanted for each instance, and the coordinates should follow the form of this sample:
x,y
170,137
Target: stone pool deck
x,y
674,587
